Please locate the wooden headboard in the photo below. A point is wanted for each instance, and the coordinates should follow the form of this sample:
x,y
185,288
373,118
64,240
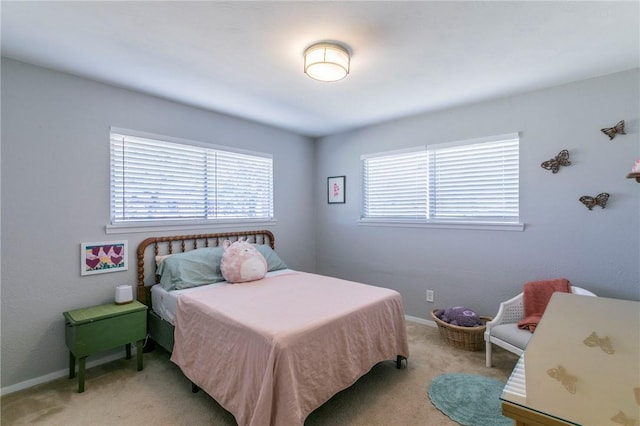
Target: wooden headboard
x,y
182,243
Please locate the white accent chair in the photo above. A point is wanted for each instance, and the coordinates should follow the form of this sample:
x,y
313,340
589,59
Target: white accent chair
x,y
503,329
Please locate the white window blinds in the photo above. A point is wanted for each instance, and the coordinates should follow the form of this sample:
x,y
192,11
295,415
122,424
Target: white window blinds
x,y
469,181
156,180
395,185
477,181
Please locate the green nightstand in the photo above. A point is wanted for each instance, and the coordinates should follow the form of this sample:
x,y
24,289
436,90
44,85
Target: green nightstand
x,y
103,327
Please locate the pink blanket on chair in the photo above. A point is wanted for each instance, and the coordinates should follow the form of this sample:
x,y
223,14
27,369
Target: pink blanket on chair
x,y
536,297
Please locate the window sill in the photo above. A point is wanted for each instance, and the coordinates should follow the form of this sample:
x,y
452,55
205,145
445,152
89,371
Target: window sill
x,y
176,226
487,226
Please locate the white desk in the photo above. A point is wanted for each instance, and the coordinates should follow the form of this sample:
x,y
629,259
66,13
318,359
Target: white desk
x,y
582,365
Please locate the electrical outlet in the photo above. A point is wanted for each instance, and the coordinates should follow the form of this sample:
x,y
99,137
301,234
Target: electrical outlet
x,y
429,295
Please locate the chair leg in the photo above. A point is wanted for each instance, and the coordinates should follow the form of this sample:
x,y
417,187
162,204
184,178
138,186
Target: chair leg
x,y
488,353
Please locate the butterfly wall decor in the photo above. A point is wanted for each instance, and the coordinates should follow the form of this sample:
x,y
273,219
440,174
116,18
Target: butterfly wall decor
x,y
622,419
598,200
613,131
562,159
561,375
603,342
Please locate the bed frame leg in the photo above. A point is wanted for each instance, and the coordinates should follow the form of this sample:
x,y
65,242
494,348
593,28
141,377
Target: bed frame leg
x,y
399,359
194,388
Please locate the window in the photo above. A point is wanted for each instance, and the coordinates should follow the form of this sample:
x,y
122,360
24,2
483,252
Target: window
x,y
163,180
467,182
395,185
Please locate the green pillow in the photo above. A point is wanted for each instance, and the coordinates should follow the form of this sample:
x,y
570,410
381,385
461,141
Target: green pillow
x,y
274,263
191,269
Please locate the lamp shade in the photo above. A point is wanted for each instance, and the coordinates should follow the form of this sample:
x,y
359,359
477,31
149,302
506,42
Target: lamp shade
x,y
326,62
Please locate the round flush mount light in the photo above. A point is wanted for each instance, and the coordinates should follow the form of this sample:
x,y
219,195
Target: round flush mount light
x,y
326,62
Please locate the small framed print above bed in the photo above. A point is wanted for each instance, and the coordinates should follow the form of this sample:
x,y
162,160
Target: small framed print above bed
x,y
98,258
336,189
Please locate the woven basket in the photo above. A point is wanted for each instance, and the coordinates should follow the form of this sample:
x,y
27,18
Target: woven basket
x,y
468,338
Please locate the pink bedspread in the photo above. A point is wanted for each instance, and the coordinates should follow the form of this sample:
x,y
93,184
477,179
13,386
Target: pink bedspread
x,y
272,351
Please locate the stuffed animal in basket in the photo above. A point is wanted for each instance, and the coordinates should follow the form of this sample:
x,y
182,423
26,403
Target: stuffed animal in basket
x,y
459,315
242,262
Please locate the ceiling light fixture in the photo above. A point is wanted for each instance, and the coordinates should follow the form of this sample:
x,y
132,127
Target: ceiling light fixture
x,y
326,62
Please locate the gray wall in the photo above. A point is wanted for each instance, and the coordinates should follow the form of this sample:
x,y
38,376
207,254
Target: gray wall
x,y
55,195
55,172
598,249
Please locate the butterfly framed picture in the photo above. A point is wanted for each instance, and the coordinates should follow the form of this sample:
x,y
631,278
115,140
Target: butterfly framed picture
x,y
618,129
599,200
562,159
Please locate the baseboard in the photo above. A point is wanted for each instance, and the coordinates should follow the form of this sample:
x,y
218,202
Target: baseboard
x,y
61,373
65,373
421,321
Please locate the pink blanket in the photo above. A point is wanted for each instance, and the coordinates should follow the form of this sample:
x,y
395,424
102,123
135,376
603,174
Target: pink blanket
x,y
536,297
271,351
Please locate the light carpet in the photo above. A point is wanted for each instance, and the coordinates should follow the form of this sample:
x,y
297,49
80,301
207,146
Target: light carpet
x,y
469,399
159,395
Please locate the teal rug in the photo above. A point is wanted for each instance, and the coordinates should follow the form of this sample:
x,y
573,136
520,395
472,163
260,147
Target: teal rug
x,y
469,399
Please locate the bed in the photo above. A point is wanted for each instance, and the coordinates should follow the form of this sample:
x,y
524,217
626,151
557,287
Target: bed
x,y
273,350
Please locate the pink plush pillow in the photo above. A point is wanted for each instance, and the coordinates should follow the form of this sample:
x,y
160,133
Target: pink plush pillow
x,y
242,262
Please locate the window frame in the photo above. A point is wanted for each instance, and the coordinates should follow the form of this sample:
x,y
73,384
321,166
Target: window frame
x,y
151,225
453,223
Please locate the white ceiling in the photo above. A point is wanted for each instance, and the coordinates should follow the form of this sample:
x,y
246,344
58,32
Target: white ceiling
x,y
245,58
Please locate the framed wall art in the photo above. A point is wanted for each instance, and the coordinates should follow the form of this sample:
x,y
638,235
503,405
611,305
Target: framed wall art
x,y
336,189
99,258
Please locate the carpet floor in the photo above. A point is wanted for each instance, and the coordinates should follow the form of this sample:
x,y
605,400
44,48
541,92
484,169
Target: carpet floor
x,y
116,394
